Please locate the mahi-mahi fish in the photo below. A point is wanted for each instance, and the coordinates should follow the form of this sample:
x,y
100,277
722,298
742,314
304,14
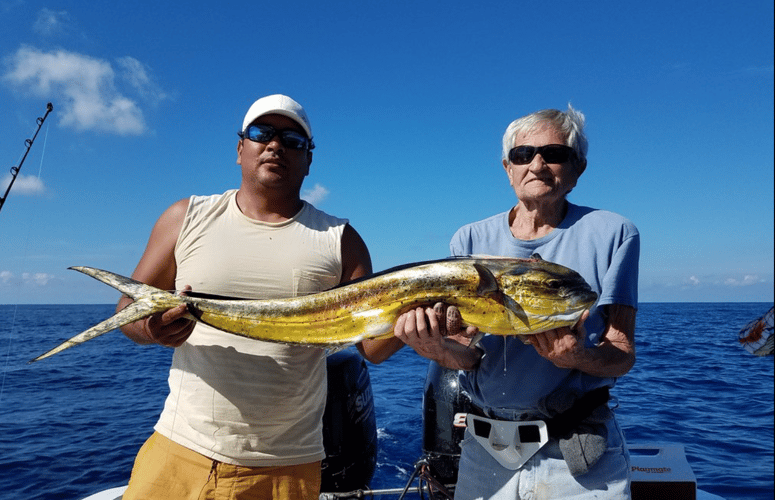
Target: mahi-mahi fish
x,y
501,296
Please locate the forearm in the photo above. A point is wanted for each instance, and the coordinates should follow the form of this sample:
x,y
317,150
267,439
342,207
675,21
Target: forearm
x,y
459,357
453,355
378,350
615,355
607,360
448,353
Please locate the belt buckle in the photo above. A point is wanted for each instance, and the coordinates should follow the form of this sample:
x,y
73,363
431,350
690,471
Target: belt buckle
x,y
512,444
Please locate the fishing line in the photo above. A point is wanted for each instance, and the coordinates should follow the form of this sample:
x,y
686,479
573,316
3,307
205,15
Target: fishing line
x,y
8,351
25,255
43,153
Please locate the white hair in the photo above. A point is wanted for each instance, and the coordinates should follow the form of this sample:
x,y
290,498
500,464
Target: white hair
x,y
569,124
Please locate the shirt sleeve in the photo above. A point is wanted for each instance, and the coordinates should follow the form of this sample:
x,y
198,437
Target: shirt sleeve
x,y
460,244
620,283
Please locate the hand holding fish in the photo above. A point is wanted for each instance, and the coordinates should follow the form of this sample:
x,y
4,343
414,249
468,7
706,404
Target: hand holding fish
x,y
170,328
564,346
454,327
613,356
438,333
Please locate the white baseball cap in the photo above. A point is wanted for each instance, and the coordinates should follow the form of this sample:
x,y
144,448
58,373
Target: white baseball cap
x,y
281,105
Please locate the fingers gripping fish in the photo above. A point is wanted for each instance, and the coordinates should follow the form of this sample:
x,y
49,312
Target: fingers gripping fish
x,y
501,296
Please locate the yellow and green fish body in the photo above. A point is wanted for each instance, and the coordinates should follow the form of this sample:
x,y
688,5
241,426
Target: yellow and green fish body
x,y
502,296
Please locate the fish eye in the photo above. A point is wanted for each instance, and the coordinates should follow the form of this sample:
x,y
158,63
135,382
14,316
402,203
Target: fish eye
x,y
553,284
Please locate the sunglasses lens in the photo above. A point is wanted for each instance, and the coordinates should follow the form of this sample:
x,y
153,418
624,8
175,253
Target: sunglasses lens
x,y
553,153
293,140
522,155
264,133
556,153
260,133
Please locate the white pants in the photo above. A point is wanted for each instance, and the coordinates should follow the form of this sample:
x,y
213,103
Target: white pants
x,y
545,476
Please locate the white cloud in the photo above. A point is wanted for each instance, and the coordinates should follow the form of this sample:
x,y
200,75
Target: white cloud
x,y
24,184
50,22
27,279
84,89
138,76
315,195
748,280
40,279
710,281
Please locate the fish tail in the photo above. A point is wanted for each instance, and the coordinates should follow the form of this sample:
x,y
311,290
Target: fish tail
x,y
127,286
147,300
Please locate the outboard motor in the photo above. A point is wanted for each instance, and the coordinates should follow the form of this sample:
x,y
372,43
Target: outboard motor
x,y
349,425
442,399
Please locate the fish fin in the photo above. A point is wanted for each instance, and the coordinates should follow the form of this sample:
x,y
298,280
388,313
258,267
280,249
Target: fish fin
x,y
127,286
147,300
475,339
132,312
516,312
488,284
488,287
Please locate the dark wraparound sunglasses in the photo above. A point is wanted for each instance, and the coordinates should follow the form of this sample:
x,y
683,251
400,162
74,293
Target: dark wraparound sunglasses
x,y
288,138
552,153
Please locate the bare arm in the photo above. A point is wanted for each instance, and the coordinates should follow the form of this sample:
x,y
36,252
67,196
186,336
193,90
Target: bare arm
x,y
613,357
157,268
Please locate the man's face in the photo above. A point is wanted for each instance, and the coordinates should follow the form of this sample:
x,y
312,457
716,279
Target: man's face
x,y
271,165
540,181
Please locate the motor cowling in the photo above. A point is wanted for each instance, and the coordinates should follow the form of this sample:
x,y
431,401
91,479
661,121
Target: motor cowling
x,y
349,425
442,399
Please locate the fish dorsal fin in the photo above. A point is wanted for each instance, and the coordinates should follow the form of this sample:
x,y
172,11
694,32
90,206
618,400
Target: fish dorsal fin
x,y
488,284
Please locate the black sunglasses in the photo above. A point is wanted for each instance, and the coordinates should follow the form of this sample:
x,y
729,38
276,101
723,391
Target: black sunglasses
x,y
552,153
289,138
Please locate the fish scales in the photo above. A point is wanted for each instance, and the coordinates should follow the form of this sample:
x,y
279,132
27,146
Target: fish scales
x,y
332,317
502,296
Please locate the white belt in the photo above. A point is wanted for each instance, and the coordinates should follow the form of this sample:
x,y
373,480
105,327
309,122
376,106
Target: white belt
x,y
510,443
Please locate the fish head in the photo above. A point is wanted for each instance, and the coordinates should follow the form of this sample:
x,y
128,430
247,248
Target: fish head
x,y
541,295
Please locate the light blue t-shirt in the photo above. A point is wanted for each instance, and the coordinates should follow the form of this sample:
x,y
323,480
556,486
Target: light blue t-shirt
x,y
601,246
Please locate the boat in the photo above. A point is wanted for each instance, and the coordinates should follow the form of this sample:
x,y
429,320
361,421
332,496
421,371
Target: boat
x,y
659,470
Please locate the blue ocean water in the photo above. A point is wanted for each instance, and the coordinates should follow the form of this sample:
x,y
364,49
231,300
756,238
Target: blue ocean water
x,y
72,424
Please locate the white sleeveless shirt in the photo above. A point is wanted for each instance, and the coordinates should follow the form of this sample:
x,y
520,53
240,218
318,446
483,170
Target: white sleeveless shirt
x,y
234,399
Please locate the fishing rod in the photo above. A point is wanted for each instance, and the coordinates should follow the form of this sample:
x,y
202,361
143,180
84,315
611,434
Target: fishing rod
x,y
28,143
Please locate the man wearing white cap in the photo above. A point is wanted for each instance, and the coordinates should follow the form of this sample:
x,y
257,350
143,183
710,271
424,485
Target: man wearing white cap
x,y
243,417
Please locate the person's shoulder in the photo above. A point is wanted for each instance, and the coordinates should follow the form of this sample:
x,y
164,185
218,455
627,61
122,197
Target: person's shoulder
x,y
176,211
310,212
468,238
483,224
199,206
593,215
210,199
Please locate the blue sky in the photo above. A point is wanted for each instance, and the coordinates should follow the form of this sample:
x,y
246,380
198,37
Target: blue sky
x,y
408,102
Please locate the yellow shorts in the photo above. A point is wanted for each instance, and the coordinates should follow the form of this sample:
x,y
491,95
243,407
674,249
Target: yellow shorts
x,y
165,470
